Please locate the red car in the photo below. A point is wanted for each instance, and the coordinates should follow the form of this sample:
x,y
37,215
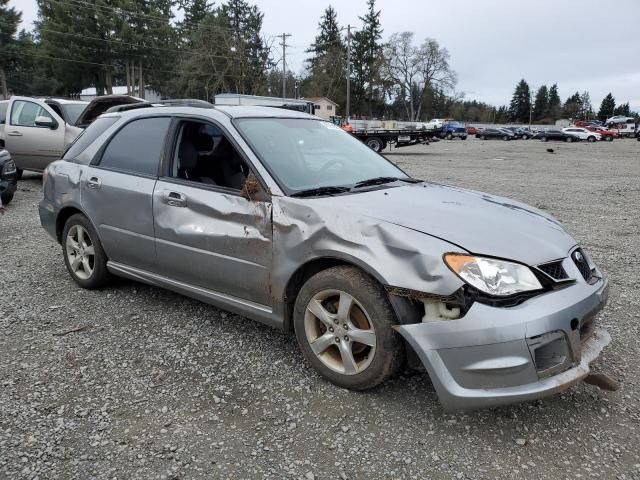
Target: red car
x,y
472,130
605,133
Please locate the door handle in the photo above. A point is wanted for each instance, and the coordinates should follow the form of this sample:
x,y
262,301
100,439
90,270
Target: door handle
x,y
175,199
14,134
94,182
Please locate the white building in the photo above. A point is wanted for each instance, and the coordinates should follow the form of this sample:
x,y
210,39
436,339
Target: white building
x,y
324,107
149,95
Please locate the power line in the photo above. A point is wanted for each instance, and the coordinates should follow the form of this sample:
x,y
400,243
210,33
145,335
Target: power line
x,y
87,62
121,42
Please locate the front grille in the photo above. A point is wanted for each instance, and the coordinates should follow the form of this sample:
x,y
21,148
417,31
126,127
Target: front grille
x,y
555,270
580,259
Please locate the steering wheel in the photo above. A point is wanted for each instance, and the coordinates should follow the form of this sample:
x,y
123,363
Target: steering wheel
x,y
330,163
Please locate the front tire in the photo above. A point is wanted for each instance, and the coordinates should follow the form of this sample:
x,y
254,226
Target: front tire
x,y
609,138
544,139
19,172
343,320
568,139
83,254
591,139
505,138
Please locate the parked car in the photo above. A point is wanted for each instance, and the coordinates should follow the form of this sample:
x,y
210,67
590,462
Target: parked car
x,y
471,130
605,133
520,132
624,126
287,219
8,177
583,133
453,130
556,135
37,130
495,133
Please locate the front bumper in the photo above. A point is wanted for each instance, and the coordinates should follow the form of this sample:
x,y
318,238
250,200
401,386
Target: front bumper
x,y
496,356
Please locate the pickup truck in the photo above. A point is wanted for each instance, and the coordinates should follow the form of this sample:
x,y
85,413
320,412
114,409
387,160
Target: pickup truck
x,y
36,131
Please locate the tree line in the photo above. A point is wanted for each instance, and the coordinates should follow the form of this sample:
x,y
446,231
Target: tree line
x,y
545,106
215,48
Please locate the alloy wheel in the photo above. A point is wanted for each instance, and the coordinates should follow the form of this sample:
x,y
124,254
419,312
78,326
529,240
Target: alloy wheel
x,y
80,252
340,332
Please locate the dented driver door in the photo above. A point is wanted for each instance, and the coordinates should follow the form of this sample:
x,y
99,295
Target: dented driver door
x,y
215,239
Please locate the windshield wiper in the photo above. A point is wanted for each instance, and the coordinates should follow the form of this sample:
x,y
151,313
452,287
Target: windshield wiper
x,y
382,180
319,191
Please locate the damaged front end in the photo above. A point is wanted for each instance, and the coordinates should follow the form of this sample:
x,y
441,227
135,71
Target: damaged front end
x,y
480,355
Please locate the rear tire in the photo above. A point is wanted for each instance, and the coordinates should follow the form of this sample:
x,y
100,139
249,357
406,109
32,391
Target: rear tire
x,y
342,297
610,138
19,172
375,144
544,139
568,140
83,254
483,137
6,198
505,138
449,136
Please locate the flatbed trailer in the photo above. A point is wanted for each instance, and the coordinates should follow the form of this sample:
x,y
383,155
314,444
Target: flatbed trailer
x,y
378,139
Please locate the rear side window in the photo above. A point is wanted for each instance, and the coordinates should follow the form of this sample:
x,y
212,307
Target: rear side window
x,y
88,136
137,146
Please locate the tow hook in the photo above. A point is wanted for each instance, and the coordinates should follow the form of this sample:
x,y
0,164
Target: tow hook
x,y
602,381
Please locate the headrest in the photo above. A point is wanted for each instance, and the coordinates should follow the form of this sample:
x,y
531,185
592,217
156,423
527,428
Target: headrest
x,y
187,156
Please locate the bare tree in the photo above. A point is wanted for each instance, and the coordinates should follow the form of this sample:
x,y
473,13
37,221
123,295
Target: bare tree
x,y
413,71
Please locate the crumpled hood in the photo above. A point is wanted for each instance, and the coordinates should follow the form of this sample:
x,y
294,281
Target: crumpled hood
x,y
477,222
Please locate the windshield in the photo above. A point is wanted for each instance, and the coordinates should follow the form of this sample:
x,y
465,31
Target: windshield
x,y
306,154
72,111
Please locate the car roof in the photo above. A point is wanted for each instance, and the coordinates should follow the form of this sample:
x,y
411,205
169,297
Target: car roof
x,y
231,111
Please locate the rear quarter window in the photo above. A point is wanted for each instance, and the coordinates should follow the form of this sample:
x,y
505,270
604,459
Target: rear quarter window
x,y
137,146
88,136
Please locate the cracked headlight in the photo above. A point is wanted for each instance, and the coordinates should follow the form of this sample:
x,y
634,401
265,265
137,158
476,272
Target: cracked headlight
x,y
492,276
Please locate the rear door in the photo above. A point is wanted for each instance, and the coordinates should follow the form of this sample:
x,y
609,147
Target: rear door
x,y
117,191
33,147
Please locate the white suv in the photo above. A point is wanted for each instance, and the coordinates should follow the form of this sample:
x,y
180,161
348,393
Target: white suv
x,y
583,133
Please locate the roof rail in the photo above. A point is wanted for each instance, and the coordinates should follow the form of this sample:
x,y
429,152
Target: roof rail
x,y
129,106
186,102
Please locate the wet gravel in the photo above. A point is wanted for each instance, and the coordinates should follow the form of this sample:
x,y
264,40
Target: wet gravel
x,y
135,382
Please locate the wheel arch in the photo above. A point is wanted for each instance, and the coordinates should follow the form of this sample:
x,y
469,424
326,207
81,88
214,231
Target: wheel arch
x,y
64,214
309,269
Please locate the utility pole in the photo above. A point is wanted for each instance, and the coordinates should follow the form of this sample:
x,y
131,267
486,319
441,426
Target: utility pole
x,y
284,64
347,111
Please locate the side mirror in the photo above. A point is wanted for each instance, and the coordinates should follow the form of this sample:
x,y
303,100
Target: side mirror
x,y
47,122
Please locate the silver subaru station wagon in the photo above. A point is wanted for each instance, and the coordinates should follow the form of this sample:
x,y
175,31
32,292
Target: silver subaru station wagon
x,y
284,218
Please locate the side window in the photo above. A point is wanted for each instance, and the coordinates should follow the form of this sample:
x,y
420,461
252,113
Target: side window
x,y
24,114
137,146
204,155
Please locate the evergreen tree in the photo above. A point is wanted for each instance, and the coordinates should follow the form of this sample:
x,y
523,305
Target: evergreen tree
x,y
326,68
541,103
366,56
9,21
607,107
572,106
554,104
623,110
520,107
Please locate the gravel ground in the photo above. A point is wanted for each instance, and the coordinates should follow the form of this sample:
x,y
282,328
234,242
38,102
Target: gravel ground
x,y
160,386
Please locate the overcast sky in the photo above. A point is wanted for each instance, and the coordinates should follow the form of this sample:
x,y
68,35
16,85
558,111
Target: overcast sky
x,y
581,45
